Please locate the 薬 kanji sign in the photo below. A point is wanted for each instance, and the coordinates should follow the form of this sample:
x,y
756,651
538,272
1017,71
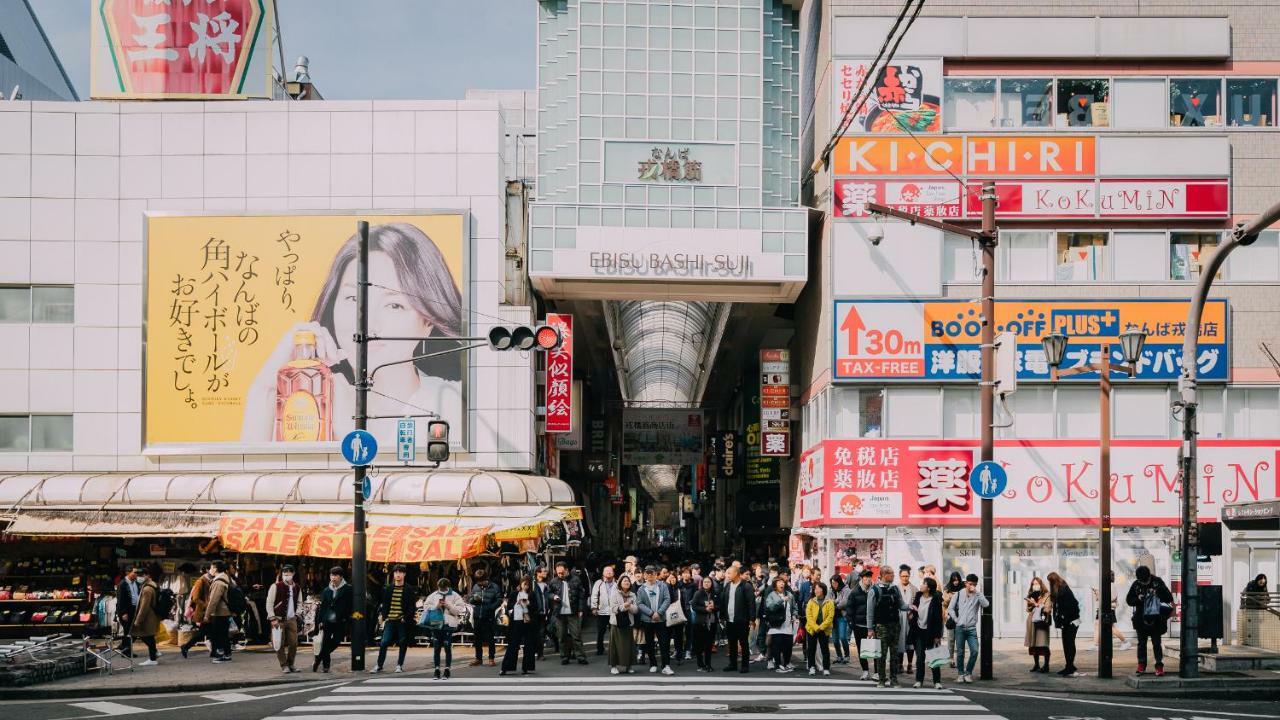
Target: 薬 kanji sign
x,y
181,49
775,394
559,395
938,340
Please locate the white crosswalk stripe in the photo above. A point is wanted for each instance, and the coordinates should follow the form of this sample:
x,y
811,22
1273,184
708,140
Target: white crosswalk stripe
x,y
631,698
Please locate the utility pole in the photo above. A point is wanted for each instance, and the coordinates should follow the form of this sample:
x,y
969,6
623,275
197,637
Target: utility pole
x,y
1188,641
987,241
359,592
986,238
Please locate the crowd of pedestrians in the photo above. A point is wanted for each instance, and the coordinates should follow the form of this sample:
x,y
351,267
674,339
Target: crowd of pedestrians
x,y
894,622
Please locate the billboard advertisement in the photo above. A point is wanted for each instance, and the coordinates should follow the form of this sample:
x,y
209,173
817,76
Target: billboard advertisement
x,y
662,436
1201,198
938,340
197,50
990,156
931,198
905,96
558,398
249,322
1051,482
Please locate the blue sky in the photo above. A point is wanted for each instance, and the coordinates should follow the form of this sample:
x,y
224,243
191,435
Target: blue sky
x,y
424,49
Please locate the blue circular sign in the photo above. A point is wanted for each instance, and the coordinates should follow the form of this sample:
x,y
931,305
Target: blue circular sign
x,y
366,488
988,479
359,447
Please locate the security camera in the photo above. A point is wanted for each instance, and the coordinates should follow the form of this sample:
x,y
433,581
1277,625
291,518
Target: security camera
x,y
875,233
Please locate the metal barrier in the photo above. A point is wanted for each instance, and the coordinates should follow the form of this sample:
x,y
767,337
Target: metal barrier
x,y
1258,623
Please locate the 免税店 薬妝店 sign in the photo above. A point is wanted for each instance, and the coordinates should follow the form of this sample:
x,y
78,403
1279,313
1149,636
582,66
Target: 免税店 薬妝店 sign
x,y
938,340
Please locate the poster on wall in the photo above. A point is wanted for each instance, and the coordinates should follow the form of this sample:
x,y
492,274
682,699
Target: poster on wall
x,y
939,339
1051,482
162,49
662,436
904,96
249,320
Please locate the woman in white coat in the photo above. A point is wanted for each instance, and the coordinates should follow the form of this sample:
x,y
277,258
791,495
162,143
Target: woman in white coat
x,y
441,614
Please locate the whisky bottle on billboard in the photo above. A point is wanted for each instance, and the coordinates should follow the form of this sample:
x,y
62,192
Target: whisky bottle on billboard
x,y
304,395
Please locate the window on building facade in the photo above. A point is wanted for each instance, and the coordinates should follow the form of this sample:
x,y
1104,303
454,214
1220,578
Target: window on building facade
x,y
1188,251
960,260
961,416
1081,256
857,412
1026,256
1259,262
970,103
35,433
1026,102
37,304
1251,102
1032,408
1139,412
914,412
1195,102
1084,102
1077,412
870,412
1253,412
1138,256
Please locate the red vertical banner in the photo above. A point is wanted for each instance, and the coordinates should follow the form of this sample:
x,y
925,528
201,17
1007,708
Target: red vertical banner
x,y
559,394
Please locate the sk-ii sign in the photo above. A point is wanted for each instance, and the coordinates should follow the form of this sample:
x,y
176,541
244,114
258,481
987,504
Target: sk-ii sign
x,y
940,339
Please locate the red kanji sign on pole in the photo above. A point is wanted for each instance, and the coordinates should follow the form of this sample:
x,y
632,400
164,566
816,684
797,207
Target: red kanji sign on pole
x,y
559,395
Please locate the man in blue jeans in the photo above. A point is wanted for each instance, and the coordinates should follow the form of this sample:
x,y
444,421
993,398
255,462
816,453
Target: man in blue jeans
x,y
965,611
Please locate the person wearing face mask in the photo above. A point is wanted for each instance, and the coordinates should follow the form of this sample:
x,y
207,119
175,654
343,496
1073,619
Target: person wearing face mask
x,y
196,603
283,602
1039,619
333,615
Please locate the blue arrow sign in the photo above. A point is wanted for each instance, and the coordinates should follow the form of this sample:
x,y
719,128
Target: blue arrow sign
x,y
988,479
366,488
359,447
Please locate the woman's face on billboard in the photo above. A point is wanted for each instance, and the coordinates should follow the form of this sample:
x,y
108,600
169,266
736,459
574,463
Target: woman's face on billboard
x,y
391,314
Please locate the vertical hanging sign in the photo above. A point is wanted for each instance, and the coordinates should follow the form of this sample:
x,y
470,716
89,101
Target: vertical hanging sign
x,y
559,395
775,402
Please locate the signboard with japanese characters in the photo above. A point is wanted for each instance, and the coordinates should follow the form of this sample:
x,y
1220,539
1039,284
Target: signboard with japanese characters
x,y
904,96
775,394
559,388
1051,482
760,469
930,198
1201,198
985,156
662,436
670,162
181,49
938,340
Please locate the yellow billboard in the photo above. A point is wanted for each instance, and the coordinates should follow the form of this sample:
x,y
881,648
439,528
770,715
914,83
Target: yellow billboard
x,y
250,318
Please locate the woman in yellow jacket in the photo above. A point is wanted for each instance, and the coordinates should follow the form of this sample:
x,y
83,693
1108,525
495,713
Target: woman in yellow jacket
x,y
819,618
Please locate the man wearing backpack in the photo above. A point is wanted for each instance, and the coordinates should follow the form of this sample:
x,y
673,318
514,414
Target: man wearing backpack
x,y
218,612
1152,605
884,603
148,614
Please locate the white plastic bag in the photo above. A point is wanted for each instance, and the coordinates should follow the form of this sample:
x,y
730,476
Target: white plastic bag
x,y
870,649
316,642
937,656
277,637
675,615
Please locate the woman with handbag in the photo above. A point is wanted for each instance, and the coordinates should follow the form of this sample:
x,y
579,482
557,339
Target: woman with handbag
x,y
704,622
441,614
1039,619
820,617
781,616
1066,617
925,616
521,621
622,609
955,583
841,594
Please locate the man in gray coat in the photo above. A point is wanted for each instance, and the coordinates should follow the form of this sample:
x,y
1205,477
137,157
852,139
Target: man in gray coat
x,y
652,601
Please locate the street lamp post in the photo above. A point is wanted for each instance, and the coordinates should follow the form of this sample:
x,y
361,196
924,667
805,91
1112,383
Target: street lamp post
x,y
1131,342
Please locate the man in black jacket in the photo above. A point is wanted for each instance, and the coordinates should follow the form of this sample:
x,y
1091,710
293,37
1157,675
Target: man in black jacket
x,y
1152,605
568,601
126,608
485,598
737,602
857,614
333,616
399,603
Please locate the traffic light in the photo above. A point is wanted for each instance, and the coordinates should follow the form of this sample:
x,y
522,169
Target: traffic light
x,y
437,441
523,337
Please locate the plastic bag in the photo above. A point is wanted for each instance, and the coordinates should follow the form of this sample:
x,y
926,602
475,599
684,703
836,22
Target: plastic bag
x,y
316,642
937,656
277,637
870,649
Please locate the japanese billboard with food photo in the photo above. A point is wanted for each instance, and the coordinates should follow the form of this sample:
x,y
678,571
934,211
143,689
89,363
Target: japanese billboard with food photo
x,y
903,96
250,319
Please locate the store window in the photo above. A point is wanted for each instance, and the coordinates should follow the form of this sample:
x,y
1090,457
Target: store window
x,y
1259,262
1253,412
960,260
1084,103
970,103
915,412
1195,102
37,304
1188,251
1026,102
857,412
1138,256
961,416
1081,256
1140,412
1032,408
1251,102
962,555
35,433
1022,560
1026,256
1077,412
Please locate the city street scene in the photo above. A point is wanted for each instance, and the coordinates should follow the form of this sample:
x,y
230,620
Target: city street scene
x,y
639,359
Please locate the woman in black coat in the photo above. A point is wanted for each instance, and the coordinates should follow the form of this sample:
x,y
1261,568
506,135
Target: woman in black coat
x,y
925,616
1066,617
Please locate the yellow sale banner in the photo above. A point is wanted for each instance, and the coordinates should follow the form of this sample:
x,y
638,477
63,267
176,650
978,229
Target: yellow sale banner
x,y
250,319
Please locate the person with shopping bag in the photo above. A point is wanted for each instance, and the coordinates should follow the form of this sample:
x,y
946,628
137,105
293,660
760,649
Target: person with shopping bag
x,y
442,613
782,618
653,599
884,603
333,616
283,603
925,616
820,617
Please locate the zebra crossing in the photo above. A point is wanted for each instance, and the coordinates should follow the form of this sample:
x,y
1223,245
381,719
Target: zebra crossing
x,y
633,697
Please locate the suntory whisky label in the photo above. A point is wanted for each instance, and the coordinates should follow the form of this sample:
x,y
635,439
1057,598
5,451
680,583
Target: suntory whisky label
x,y
300,419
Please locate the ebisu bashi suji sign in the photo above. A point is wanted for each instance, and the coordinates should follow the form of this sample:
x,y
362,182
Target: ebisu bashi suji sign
x,y
180,48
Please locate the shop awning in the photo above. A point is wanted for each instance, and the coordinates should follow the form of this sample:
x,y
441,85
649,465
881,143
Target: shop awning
x,y
413,517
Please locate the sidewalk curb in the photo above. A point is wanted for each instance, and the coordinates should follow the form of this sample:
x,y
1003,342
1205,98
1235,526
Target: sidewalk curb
x,y
1260,689
40,692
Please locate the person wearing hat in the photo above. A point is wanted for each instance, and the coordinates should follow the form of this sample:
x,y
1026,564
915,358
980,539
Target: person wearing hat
x,y
856,614
146,623
332,616
283,603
